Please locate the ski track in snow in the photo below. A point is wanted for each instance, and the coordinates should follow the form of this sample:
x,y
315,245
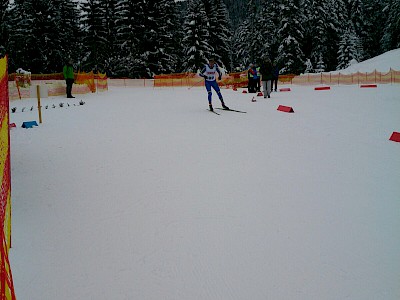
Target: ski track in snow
x,y
142,194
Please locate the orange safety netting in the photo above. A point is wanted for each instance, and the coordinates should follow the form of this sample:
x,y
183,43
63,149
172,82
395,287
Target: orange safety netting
x,y
86,78
85,83
6,282
92,80
128,82
54,76
101,82
375,77
232,80
235,80
193,79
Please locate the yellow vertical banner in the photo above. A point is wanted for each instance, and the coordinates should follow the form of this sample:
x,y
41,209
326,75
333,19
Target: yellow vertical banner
x,y
6,282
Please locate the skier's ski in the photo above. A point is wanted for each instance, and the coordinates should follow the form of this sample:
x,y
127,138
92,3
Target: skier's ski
x,y
239,111
213,112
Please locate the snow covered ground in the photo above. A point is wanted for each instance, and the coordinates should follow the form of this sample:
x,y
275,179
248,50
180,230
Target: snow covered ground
x,y
382,63
143,194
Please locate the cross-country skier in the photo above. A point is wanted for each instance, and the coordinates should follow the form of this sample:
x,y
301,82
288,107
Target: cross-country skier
x,y
209,73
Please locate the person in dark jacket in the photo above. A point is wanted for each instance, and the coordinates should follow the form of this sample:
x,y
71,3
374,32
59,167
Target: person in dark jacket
x,y
275,76
252,76
68,72
266,76
258,83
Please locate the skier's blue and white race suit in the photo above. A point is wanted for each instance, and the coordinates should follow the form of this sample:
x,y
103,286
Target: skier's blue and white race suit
x,y
210,76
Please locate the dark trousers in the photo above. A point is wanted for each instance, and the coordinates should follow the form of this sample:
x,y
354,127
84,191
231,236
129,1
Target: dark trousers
x,y
274,85
252,87
69,82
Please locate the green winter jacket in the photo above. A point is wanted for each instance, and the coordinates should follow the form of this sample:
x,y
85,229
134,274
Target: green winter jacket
x,y
68,72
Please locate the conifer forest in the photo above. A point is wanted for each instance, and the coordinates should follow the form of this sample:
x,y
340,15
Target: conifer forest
x,y
142,38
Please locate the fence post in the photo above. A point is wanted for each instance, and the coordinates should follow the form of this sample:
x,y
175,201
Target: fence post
x,y
17,84
39,106
391,76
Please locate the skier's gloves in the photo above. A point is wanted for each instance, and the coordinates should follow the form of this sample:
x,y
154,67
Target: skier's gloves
x,y
219,78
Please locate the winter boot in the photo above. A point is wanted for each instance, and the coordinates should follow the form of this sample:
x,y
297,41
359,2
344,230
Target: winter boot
x,y
224,106
211,107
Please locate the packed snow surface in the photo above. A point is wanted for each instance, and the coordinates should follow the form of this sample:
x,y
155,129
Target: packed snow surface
x,y
142,193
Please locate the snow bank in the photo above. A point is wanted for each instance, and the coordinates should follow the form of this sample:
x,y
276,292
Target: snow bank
x,y
381,63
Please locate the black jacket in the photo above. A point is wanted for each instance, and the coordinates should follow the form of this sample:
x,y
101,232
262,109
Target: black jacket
x,y
266,70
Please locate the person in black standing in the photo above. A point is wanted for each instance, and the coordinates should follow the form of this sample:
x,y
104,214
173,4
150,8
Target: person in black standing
x,y
266,76
275,76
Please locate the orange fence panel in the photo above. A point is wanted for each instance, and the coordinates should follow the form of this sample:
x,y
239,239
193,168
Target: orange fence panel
x,y
395,76
193,79
128,82
374,77
235,80
84,83
101,82
86,78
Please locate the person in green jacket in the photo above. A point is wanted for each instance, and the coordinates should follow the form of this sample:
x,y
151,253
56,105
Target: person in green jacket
x,y
68,72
